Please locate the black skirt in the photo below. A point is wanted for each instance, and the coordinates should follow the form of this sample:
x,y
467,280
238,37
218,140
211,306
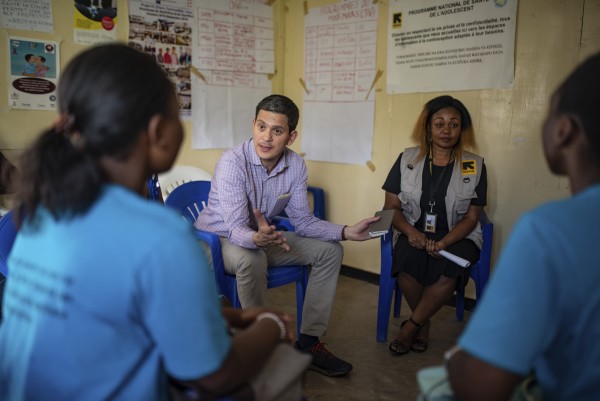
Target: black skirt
x,y
427,269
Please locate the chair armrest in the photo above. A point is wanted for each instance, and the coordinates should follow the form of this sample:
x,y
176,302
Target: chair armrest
x,y
318,201
282,223
484,219
485,257
214,243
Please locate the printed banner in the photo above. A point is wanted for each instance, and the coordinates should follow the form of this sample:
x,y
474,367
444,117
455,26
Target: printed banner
x,y
441,45
33,73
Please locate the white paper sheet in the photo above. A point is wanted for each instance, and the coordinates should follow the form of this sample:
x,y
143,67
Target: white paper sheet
x,y
30,15
340,68
233,53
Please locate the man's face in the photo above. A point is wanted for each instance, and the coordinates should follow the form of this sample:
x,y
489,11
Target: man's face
x,y
271,136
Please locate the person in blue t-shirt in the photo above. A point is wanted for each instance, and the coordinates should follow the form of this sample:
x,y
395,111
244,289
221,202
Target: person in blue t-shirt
x,y
109,295
539,314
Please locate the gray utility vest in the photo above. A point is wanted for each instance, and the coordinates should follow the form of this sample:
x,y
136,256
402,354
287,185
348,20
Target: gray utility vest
x,y
464,180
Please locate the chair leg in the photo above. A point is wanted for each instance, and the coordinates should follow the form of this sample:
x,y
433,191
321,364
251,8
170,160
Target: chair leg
x,y
460,305
301,285
233,294
386,289
397,299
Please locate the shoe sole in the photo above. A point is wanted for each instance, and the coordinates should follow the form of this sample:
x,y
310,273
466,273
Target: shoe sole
x,y
328,372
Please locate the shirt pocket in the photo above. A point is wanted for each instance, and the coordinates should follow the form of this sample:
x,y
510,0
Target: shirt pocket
x,y
280,203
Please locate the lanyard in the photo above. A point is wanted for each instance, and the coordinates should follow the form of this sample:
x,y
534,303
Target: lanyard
x,y
434,186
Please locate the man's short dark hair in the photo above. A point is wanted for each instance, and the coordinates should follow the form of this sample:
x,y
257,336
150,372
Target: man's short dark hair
x,y
281,105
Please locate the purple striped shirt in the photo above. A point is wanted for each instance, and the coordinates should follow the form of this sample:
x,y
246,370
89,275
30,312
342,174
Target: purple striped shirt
x,y
241,183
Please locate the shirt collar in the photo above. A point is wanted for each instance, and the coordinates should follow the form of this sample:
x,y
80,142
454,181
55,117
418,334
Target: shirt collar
x,y
255,160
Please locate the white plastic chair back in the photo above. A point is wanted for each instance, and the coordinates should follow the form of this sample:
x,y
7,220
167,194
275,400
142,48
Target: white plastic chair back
x,y
179,175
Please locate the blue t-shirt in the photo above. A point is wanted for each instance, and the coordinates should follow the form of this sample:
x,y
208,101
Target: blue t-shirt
x,y
105,305
541,309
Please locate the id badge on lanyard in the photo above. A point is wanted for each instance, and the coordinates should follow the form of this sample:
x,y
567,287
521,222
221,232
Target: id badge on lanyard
x,y
430,221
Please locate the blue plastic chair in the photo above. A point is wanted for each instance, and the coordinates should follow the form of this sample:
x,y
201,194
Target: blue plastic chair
x,y
8,232
480,273
189,199
154,188
282,220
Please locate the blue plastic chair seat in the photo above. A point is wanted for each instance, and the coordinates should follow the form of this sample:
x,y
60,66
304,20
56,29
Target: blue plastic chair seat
x,y
189,199
388,286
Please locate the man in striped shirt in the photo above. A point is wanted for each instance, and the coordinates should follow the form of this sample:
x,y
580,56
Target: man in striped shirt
x,y
256,181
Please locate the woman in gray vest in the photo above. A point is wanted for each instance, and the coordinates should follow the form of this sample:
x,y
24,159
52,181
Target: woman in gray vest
x,y
439,190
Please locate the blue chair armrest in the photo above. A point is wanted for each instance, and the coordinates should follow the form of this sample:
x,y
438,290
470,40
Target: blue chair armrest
x,y
318,201
282,223
485,257
214,243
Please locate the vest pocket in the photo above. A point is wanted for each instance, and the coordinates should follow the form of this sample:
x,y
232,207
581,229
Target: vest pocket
x,y
462,204
405,203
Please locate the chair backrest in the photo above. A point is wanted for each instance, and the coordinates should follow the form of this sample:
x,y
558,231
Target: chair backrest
x,y
179,175
154,191
318,202
8,232
189,198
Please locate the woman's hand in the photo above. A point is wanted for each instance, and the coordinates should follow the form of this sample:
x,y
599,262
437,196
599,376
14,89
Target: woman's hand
x,y
434,247
417,239
242,318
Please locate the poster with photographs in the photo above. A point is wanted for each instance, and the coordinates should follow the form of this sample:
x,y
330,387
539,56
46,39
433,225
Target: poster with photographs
x,y
33,73
164,31
95,21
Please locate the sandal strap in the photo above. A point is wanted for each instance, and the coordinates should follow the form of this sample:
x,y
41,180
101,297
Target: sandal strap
x,y
419,325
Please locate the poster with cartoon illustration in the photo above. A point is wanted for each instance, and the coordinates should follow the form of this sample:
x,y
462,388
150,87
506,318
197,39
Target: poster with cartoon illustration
x,y
33,73
95,21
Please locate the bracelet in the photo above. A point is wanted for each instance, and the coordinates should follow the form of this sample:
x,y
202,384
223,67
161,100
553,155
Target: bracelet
x,y
450,353
276,319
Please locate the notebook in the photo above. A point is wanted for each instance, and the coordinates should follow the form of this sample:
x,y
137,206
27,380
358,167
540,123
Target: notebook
x,y
382,225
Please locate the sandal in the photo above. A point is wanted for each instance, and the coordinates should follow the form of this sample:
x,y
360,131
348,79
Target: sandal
x,y
420,344
397,347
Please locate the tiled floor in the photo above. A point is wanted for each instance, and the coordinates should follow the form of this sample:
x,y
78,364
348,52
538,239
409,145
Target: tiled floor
x,y
377,374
